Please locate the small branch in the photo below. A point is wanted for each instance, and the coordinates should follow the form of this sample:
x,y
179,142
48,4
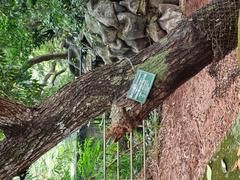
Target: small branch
x,y
47,57
56,75
49,74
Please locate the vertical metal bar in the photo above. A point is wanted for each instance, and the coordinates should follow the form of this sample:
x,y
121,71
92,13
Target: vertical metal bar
x,y
144,151
118,162
155,121
74,164
80,62
104,146
91,65
155,114
131,155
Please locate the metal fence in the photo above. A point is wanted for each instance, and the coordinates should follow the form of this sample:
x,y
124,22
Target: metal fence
x,y
131,155
79,66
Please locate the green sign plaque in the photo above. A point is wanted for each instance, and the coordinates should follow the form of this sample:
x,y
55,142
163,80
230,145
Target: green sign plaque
x,y
141,86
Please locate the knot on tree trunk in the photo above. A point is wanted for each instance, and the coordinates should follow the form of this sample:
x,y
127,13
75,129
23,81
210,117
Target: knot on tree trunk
x,y
122,121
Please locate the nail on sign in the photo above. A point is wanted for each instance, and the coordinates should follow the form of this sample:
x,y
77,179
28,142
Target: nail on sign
x,y
141,86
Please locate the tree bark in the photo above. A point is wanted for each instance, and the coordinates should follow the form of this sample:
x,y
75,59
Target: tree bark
x,y
179,56
10,122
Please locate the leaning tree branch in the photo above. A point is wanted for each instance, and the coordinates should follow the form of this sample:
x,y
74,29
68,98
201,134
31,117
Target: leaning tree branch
x,y
181,55
47,57
173,68
174,64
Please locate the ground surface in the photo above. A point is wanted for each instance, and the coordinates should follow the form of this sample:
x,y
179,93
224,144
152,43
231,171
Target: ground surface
x,y
195,120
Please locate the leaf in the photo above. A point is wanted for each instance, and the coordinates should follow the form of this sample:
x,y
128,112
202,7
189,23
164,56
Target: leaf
x,y
209,173
223,166
238,152
236,165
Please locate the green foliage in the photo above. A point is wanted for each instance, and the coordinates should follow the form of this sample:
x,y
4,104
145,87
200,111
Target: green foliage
x,y
90,159
124,159
209,173
25,26
223,161
39,71
56,18
15,48
29,28
60,162
90,164
2,136
55,164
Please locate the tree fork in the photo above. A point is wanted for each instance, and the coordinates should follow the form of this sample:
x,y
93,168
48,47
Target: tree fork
x,y
92,94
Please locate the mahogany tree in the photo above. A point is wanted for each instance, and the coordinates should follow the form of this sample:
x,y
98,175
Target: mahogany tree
x,y
31,131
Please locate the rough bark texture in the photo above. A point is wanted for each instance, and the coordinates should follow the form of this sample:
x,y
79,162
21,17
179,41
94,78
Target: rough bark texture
x,y
190,6
90,96
196,117
179,67
223,37
10,122
187,52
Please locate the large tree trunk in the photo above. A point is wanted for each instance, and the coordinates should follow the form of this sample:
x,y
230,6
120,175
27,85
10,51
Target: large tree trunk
x,y
33,131
195,119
